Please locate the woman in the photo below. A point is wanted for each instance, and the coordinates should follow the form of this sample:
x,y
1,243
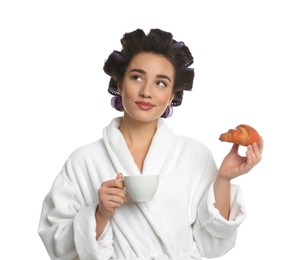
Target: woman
x,y
195,212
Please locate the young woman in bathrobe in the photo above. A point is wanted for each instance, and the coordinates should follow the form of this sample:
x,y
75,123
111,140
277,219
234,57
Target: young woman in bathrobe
x,y
195,212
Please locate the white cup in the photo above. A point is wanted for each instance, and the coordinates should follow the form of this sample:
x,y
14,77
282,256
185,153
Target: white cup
x,y
141,188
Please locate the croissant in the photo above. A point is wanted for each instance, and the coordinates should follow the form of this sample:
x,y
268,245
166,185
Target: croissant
x,y
242,135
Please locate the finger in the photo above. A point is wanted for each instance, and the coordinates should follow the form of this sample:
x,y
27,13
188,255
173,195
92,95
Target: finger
x,y
249,155
235,148
117,195
116,183
108,194
119,176
116,199
112,200
257,151
253,155
261,145
110,206
115,192
126,197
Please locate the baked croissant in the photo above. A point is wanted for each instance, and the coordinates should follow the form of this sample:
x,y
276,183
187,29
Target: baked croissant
x,y
242,135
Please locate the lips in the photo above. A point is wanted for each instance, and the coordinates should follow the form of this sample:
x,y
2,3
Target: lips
x,y
144,105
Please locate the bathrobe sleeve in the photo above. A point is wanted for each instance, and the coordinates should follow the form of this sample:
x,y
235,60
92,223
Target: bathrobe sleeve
x,y
67,225
214,235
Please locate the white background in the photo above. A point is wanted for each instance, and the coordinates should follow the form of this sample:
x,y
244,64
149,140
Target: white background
x,y
53,99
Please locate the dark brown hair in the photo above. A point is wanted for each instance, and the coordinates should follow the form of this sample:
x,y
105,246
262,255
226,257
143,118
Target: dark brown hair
x,y
158,42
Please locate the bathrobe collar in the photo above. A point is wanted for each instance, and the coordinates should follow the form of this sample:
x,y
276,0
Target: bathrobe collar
x,y
121,157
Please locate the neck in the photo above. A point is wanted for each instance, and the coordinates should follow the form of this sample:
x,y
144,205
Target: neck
x,y
137,133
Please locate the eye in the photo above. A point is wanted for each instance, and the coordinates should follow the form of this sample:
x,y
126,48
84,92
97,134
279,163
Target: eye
x,y
136,77
161,84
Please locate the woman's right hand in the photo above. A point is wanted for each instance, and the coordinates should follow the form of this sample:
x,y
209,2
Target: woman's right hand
x,y
111,196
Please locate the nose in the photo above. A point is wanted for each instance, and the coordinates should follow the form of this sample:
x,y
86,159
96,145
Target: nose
x,y
146,90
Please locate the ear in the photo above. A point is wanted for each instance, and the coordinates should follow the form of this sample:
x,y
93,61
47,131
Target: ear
x,y
170,100
119,88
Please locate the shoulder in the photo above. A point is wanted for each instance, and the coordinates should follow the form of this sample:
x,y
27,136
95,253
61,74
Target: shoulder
x,y
86,151
193,150
95,148
187,145
191,143
180,140
81,162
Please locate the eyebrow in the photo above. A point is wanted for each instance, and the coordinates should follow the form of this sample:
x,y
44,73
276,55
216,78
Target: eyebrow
x,y
144,72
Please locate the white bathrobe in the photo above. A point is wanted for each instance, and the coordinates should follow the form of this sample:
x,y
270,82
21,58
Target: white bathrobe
x,y
180,222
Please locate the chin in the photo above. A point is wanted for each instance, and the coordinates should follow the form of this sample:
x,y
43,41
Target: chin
x,y
144,117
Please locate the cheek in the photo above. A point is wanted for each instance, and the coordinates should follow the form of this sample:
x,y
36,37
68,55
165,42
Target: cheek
x,y
129,89
128,94
128,97
165,98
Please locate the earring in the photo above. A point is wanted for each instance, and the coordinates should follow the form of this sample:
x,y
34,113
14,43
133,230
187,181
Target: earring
x,y
116,102
168,112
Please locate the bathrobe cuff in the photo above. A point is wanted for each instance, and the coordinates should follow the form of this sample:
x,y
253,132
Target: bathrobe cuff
x,y
211,219
85,236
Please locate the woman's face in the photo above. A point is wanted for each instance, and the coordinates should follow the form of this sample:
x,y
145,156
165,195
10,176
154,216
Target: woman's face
x,y
147,87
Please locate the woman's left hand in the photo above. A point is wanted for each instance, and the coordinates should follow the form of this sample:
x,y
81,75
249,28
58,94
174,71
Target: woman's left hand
x,y
235,165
